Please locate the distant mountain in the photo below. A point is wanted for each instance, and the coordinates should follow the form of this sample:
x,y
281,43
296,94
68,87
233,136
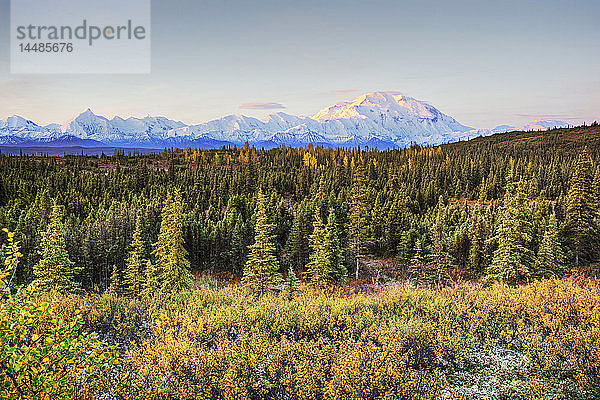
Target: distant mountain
x,y
19,128
394,118
379,119
537,125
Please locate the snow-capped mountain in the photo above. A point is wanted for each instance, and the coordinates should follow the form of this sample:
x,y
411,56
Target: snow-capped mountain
x,y
119,131
537,125
378,119
393,117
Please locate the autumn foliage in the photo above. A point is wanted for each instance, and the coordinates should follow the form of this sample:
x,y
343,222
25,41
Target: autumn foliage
x,y
539,340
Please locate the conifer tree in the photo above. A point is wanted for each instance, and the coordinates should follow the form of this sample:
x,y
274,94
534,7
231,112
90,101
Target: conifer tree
x,y
418,259
441,256
261,268
513,258
116,284
152,278
238,245
358,216
335,270
55,271
550,258
581,229
376,226
596,185
292,284
483,191
325,264
172,265
135,264
393,227
404,249
318,260
298,243
476,259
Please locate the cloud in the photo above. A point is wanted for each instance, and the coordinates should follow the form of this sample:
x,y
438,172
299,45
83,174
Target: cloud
x,y
262,106
343,91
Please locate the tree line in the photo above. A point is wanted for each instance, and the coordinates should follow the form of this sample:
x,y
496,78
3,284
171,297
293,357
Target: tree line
x,y
487,209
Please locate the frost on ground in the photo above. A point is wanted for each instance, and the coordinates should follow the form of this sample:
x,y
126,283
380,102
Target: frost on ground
x,y
500,373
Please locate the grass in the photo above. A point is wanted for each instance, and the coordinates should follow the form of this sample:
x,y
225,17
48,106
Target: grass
x,y
540,340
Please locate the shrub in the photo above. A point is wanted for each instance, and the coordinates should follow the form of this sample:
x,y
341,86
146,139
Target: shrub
x,y
42,354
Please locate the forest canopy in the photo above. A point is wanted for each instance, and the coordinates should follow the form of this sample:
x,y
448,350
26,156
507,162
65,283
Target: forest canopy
x,y
509,207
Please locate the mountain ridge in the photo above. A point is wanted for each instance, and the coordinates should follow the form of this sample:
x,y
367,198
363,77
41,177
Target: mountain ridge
x,y
380,119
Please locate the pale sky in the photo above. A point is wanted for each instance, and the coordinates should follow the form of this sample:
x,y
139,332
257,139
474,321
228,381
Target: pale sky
x,y
483,62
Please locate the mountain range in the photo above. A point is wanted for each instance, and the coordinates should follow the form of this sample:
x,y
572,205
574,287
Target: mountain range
x,y
378,119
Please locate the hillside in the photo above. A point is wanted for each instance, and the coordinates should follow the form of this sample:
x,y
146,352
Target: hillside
x,y
561,139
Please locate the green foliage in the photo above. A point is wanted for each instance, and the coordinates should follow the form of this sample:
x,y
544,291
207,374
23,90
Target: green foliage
x,y
55,271
11,261
292,284
318,261
261,270
44,355
358,212
512,262
448,197
135,264
418,258
298,243
116,282
448,209
326,264
550,259
582,210
334,270
171,274
476,261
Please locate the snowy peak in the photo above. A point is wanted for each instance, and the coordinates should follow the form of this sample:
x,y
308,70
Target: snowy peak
x,y
392,103
15,129
88,125
17,122
395,112
537,125
544,125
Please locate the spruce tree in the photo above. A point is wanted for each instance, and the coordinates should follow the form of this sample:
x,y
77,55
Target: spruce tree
x,y
358,216
152,275
237,254
326,264
418,259
404,249
550,258
135,264
116,283
377,226
297,247
292,284
261,269
55,271
441,256
317,258
476,260
512,261
172,266
334,269
581,229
